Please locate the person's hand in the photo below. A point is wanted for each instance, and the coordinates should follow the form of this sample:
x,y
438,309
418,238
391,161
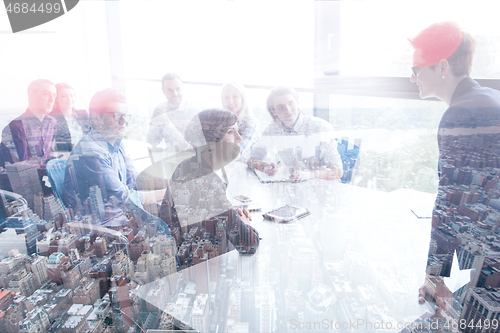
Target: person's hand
x,y
300,176
63,155
442,294
243,212
272,168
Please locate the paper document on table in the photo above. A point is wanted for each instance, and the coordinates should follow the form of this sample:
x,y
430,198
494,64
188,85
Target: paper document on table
x,y
283,175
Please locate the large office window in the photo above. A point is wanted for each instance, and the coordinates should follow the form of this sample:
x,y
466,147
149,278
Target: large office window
x,y
373,34
362,87
72,49
208,43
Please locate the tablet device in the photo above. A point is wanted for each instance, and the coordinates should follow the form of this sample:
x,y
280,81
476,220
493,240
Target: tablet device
x,y
243,198
252,208
286,214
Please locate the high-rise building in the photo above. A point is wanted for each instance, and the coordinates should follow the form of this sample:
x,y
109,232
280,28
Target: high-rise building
x,y
96,202
70,275
100,247
221,227
24,221
464,176
48,207
6,299
3,205
87,292
38,266
23,177
471,256
199,314
163,245
445,239
23,282
481,304
122,265
120,304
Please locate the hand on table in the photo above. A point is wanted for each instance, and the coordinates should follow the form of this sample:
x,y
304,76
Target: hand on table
x,y
243,212
442,295
299,175
272,168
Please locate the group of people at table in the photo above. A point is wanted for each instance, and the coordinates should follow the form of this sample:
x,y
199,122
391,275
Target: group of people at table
x,y
51,127
92,144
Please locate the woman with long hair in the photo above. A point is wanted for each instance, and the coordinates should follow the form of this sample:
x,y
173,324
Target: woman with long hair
x,y
72,124
234,99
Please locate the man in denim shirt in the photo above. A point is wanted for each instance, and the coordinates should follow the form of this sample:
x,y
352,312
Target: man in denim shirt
x,y
99,159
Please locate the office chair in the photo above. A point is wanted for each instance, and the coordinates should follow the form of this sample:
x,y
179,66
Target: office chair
x,y
349,153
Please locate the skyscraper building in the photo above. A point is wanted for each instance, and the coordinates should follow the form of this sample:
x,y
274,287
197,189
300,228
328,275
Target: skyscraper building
x,y
199,314
221,227
22,282
24,221
481,304
23,177
120,304
38,266
122,265
87,292
100,247
48,207
96,202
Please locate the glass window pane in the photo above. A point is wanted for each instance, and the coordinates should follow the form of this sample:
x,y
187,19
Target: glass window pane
x,y
399,147
374,34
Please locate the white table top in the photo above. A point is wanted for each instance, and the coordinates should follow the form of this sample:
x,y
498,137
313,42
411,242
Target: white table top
x,y
359,257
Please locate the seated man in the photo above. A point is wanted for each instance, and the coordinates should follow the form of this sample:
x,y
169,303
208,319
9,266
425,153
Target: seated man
x,y
171,117
32,134
98,166
292,135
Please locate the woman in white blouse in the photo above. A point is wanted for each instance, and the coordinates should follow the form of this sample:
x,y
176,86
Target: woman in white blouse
x,y
72,124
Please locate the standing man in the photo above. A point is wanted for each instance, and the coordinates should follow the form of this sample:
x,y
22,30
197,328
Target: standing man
x,y
171,117
468,151
99,159
32,134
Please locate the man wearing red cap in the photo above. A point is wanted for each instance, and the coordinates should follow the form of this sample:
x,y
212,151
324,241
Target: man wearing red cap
x,y
468,153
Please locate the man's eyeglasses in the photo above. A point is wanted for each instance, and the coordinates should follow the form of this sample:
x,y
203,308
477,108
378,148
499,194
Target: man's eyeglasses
x,y
415,70
119,116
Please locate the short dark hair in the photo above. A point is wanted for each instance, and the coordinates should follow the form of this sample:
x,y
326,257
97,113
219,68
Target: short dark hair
x,y
210,126
279,91
445,40
35,84
169,76
98,103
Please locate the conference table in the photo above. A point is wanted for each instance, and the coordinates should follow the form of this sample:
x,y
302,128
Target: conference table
x,y
353,265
